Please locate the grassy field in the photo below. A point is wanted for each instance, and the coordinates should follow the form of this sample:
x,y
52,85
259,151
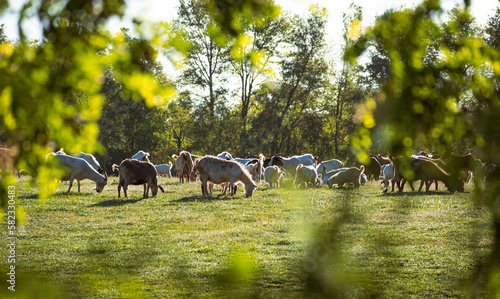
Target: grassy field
x,y
278,243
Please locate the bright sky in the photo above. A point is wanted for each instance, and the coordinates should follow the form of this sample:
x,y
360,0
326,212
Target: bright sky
x,y
165,10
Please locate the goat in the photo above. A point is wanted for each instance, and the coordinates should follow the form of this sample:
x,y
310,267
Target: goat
x,y
372,169
326,166
219,171
326,175
424,170
272,175
460,165
184,165
164,169
78,169
290,164
427,171
255,167
91,160
87,157
137,172
141,155
225,155
387,174
382,160
305,174
350,175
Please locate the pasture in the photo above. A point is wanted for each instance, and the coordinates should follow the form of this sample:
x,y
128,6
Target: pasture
x,y
278,243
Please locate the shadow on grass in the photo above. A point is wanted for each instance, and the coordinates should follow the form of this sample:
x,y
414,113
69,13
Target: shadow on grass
x,y
73,194
202,198
116,202
413,193
33,196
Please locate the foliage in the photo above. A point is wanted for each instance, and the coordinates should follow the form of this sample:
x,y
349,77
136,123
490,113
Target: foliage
x,y
430,101
50,90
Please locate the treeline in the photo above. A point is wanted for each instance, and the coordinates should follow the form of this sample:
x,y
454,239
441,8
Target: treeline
x,y
278,89
274,90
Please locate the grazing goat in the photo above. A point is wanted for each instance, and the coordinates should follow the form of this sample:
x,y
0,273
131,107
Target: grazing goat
x,y
428,171
78,169
290,164
136,172
326,175
91,160
87,157
272,175
305,174
184,165
141,155
326,166
350,175
164,169
219,171
460,165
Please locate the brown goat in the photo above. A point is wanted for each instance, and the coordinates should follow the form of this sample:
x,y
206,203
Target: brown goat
x,y
135,172
184,165
219,171
460,165
426,171
373,169
350,175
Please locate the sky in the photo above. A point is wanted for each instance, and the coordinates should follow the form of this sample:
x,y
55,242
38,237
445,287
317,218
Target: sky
x,y
165,10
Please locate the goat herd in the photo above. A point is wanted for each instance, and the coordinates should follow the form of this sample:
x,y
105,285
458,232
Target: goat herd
x,y
228,172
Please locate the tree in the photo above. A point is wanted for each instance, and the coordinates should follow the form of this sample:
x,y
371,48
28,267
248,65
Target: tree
x,y
348,94
205,60
302,76
252,57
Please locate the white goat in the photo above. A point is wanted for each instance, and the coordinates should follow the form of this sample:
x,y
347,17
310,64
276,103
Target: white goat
x,y
225,156
219,171
91,160
87,157
272,176
326,166
164,169
290,164
305,174
141,155
79,169
387,173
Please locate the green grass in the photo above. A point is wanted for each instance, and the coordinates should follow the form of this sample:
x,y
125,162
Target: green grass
x,y
278,243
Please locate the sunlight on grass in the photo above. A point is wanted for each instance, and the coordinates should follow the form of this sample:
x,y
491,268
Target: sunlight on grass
x,y
351,242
